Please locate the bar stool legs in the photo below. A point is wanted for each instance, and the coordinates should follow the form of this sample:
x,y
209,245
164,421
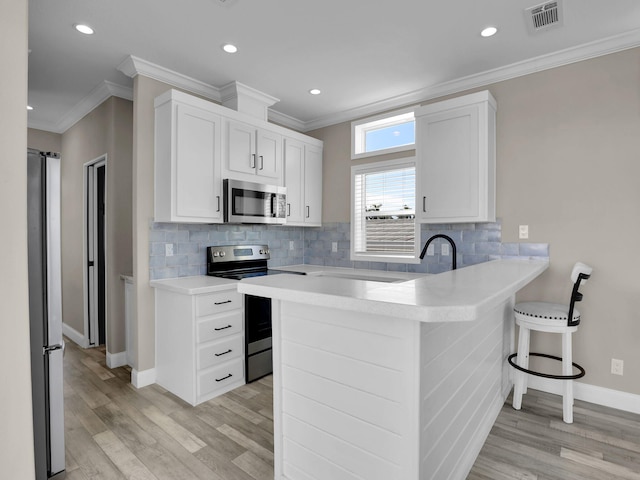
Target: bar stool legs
x,y
520,381
567,396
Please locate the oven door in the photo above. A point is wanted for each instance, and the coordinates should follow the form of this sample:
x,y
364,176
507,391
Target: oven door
x,y
257,318
247,202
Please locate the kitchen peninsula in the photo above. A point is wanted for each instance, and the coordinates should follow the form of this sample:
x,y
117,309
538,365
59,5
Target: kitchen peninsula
x,y
389,380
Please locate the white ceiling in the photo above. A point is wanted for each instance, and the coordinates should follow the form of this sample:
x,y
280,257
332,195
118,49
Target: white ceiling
x,y
365,55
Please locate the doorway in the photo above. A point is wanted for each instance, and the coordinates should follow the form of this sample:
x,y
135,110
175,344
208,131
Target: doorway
x,y
95,222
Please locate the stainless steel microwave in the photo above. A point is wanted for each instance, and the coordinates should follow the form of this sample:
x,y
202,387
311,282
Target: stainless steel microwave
x,y
248,202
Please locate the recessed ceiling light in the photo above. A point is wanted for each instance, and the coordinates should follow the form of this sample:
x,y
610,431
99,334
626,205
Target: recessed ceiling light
x,y
315,91
29,107
86,29
489,32
229,48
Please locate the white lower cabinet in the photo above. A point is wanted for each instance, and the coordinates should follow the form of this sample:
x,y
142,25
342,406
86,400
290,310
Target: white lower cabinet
x,y
199,343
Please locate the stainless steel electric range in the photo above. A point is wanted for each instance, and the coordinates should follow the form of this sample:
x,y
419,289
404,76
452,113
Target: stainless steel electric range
x,y
244,261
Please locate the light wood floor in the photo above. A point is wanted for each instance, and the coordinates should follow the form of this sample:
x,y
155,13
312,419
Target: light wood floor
x,y
115,431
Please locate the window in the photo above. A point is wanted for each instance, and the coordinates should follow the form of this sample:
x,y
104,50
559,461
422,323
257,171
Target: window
x,y
383,223
383,134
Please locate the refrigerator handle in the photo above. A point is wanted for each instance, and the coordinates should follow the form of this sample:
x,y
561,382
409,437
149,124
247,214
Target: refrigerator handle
x,y
51,348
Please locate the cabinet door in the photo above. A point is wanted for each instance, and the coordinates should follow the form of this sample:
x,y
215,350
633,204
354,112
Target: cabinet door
x,y
294,179
313,185
269,154
448,146
241,142
196,165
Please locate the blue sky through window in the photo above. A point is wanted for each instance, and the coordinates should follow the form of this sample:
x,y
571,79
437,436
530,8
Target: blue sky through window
x,y
389,137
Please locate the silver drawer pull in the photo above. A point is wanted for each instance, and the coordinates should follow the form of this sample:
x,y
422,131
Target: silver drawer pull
x,y
223,353
222,328
223,378
222,303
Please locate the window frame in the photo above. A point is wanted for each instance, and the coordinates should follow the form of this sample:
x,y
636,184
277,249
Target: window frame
x,y
375,167
359,129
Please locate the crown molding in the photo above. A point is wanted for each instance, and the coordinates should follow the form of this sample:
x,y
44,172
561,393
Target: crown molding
x,y
567,56
133,66
85,106
285,120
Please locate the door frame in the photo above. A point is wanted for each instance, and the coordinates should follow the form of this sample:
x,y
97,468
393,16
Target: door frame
x,y
89,190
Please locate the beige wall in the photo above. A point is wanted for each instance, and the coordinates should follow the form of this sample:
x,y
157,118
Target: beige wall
x,y
107,130
568,165
145,90
16,428
44,141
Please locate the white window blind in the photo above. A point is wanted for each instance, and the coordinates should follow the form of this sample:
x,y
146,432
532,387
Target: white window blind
x,y
384,210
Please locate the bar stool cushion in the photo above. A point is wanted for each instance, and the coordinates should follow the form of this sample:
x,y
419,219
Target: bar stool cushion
x,y
545,313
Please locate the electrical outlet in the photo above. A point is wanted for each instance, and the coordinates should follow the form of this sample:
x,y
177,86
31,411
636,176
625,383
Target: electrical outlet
x,y
444,249
431,250
291,245
617,366
334,247
523,231
168,249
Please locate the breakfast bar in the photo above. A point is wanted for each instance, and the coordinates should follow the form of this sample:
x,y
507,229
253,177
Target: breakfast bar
x,y
389,381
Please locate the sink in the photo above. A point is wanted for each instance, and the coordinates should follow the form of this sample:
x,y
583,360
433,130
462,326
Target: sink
x,y
356,276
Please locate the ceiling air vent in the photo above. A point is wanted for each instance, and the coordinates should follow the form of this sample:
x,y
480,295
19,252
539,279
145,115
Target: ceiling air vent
x,y
544,16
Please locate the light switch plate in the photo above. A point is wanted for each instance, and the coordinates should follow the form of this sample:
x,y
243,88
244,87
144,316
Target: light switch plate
x,y
431,250
523,231
444,249
334,247
168,249
617,366
291,245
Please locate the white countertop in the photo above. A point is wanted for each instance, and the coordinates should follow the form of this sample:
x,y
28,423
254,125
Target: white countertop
x,y
460,295
194,285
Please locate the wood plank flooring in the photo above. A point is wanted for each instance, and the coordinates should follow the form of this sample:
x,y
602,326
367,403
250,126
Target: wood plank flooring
x,y
535,444
115,431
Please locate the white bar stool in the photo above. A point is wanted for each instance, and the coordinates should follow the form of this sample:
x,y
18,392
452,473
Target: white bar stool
x,y
552,318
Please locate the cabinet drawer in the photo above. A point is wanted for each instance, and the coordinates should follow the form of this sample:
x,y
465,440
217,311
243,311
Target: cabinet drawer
x,y
218,302
220,326
219,377
219,352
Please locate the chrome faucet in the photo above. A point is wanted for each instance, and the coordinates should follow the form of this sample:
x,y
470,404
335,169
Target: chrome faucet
x,y
448,239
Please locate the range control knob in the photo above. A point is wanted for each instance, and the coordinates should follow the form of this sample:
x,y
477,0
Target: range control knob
x,y
266,251
262,252
222,254
216,253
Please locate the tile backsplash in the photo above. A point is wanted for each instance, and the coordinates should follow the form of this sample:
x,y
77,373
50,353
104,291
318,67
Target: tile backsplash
x,y
476,243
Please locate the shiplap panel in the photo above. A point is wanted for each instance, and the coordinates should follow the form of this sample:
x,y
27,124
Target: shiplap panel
x,y
383,382
459,386
470,359
435,340
448,411
378,442
375,348
329,405
335,451
312,465
362,405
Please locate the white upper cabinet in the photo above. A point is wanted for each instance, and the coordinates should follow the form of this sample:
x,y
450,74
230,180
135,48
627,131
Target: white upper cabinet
x,y
303,179
455,145
253,154
188,182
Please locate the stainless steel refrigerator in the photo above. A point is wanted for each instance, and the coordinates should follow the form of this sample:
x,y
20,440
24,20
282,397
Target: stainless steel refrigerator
x,y
45,312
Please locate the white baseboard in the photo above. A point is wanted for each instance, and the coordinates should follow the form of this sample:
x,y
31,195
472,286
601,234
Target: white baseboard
x,y
75,336
607,397
144,378
115,360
